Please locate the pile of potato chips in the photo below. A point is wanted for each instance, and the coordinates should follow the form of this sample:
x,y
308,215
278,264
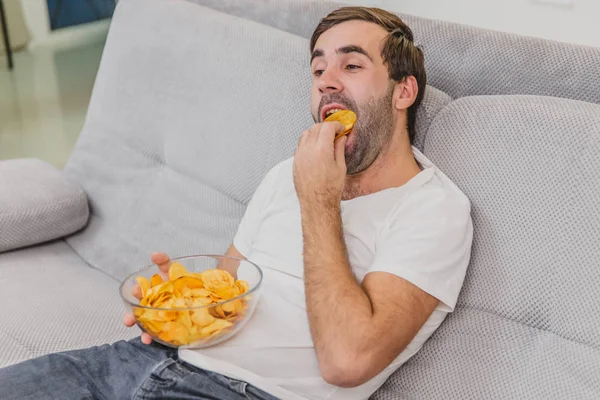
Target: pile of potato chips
x,y
186,290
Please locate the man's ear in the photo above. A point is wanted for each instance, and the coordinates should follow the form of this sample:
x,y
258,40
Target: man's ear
x,y
405,93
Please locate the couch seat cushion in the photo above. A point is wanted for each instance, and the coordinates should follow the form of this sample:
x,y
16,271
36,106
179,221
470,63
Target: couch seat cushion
x,y
53,301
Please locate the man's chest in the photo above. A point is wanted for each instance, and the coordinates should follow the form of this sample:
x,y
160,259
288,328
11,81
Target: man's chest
x,y
278,243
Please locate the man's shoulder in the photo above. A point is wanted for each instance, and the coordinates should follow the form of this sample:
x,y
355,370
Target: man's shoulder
x,y
440,189
439,197
279,174
279,170
286,164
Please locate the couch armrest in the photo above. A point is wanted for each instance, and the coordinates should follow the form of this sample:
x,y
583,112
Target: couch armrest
x,y
37,204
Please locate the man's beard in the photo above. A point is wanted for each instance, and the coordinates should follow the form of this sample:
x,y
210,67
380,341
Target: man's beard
x,y
373,129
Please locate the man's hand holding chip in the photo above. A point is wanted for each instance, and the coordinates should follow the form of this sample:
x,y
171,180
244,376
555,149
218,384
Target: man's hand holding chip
x,y
320,166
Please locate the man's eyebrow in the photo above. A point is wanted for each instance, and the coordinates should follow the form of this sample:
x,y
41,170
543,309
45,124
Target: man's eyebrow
x,y
353,49
316,53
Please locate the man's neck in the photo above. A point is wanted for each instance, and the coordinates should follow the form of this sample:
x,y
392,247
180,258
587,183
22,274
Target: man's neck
x,y
394,167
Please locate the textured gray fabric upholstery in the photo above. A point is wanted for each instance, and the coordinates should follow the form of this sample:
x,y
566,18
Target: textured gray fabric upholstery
x,y
37,204
528,317
52,301
466,61
460,60
433,102
177,137
195,142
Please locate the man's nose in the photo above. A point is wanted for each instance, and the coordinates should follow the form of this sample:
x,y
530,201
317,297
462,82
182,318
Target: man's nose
x,y
329,82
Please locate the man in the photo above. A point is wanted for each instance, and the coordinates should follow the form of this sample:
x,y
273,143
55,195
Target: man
x,y
363,241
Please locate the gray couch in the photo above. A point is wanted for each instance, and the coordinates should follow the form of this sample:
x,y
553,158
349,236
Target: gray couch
x,y
196,99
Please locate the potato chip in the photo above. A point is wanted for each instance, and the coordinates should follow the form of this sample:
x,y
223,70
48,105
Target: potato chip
x,y
156,280
174,332
144,284
184,293
166,287
160,300
202,317
201,301
184,318
242,286
213,278
199,293
151,326
177,270
166,316
138,312
217,312
179,303
218,325
346,117
185,300
189,282
232,306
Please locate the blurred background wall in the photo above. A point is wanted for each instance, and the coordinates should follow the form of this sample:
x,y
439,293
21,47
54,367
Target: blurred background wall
x,y
572,21
43,100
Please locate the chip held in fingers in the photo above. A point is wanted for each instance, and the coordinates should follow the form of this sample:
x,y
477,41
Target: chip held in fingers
x,y
346,117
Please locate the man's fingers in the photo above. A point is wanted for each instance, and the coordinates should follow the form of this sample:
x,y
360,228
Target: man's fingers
x,y
316,128
340,152
329,131
136,291
146,339
303,138
162,260
128,320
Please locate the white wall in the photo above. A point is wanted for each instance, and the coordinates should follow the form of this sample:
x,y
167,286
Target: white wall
x,y
572,21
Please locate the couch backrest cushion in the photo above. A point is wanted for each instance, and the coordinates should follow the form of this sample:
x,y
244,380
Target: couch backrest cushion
x,y
465,61
460,60
434,100
528,317
190,109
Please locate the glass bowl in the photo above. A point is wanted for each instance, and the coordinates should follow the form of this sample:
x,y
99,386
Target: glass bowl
x,y
198,309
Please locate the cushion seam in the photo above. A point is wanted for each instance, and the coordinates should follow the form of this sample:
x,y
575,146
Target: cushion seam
x,y
586,344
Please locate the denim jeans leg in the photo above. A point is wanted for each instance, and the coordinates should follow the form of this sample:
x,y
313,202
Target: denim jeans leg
x,y
179,380
103,372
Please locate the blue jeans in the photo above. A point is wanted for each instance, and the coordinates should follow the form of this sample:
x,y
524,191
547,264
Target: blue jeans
x,y
124,370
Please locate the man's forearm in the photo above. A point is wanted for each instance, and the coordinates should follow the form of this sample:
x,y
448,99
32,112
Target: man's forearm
x,y
339,310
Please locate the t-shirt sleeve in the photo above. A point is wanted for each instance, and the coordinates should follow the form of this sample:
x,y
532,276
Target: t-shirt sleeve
x,y
253,216
426,240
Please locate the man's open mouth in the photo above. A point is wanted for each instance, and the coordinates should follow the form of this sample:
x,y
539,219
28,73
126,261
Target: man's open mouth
x,y
330,109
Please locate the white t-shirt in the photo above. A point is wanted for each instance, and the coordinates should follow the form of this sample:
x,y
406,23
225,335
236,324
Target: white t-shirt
x,y
421,231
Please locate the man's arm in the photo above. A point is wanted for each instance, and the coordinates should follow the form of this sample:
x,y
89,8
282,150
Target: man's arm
x,y
357,330
233,252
